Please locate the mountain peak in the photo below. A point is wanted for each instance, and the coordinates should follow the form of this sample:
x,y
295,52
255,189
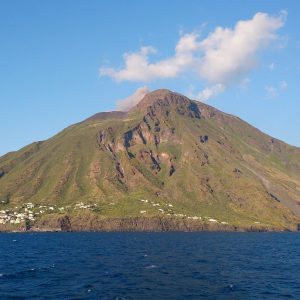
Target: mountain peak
x,y
164,100
158,95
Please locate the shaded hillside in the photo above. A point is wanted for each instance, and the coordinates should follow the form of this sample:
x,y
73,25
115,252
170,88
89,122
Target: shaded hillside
x,y
169,157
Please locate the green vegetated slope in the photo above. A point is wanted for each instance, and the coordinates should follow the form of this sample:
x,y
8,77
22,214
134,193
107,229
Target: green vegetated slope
x,y
168,156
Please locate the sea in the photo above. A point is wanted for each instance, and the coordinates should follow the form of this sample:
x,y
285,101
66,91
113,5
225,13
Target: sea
x,y
137,265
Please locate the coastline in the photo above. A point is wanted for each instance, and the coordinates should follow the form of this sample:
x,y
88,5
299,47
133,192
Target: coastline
x,y
136,224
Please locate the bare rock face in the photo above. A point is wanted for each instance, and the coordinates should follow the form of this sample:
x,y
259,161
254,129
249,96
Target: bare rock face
x,y
52,222
158,224
156,126
203,139
64,223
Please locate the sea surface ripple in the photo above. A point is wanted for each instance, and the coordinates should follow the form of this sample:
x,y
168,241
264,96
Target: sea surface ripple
x,y
150,266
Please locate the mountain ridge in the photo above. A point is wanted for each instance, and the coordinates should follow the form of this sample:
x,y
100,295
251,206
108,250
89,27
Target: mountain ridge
x,y
186,158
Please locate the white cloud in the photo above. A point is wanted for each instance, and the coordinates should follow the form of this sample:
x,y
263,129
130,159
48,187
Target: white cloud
x,y
224,58
273,91
230,54
210,92
271,66
138,68
127,103
283,85
206,93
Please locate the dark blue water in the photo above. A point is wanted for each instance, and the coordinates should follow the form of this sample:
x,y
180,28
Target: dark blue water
x,y
150,266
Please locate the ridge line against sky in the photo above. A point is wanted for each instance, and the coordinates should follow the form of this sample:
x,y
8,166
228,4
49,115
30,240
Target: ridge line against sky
x,y
63,61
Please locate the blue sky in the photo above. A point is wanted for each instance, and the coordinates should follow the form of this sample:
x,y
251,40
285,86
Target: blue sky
x,y
52,54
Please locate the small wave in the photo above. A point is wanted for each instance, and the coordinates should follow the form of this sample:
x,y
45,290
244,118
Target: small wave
x,y
21,273
151,267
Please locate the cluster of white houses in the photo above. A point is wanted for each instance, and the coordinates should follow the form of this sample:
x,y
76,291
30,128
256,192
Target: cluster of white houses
x,y
170,212
85,206
9,216
29,212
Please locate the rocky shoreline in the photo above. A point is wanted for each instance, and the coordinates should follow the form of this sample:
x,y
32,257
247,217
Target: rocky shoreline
x,y
67,223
